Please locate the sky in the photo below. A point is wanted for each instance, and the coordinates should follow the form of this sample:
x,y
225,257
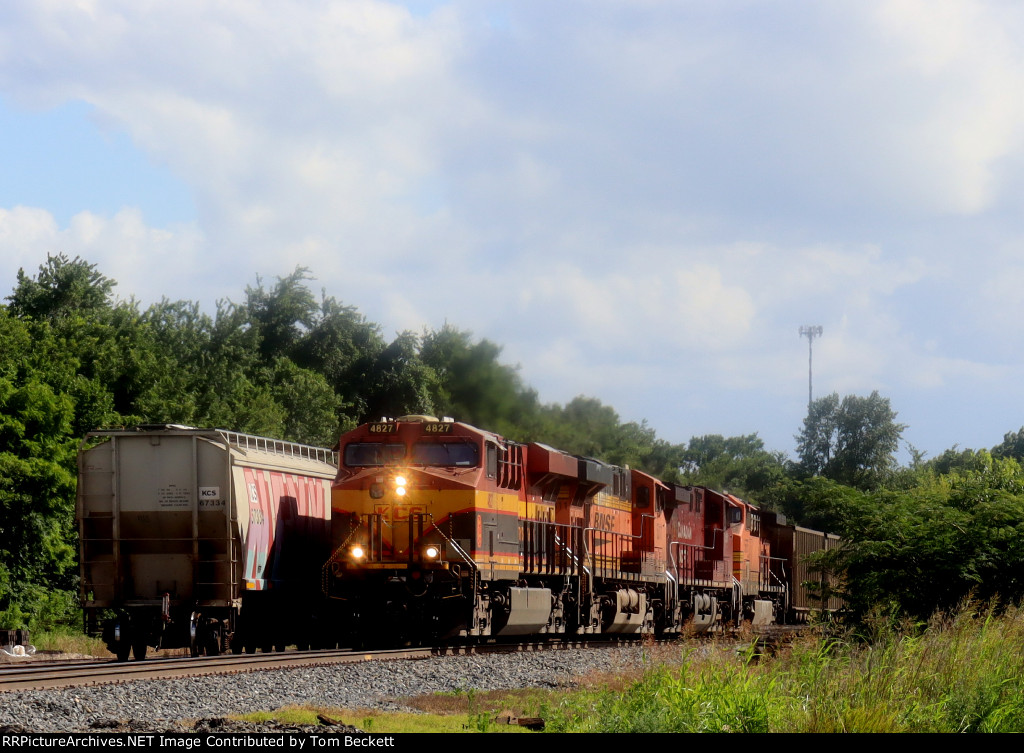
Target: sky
x,y
642,201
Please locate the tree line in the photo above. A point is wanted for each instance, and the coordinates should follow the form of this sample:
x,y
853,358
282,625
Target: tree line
x,y
287,363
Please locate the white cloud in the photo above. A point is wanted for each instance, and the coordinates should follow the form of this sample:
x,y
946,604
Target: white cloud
x,y
146,262
963,59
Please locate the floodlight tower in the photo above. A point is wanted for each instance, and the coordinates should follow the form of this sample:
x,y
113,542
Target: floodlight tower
x,y
810,332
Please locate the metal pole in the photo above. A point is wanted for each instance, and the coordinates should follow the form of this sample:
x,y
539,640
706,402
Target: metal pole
x,y
810,332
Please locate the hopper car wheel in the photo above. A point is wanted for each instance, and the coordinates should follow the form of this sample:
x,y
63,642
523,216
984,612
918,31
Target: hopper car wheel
x,y
139,648
193,630
120,641
124,650
213,641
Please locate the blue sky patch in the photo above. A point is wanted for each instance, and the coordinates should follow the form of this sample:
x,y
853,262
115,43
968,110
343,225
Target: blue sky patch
x,y
62,161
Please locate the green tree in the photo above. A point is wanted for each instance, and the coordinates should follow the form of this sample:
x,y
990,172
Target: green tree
x,y
740,464
1012,445
397,381
473,386
927,548
37,461
853,441
62,288
283,315
310,404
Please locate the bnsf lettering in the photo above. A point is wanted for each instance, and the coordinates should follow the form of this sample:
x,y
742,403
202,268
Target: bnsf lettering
x,y
604,521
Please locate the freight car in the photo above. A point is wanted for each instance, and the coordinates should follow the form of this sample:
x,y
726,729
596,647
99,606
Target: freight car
x,y
205,539
442,530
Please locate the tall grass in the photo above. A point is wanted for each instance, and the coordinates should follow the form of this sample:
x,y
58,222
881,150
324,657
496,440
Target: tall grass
x,y
959,673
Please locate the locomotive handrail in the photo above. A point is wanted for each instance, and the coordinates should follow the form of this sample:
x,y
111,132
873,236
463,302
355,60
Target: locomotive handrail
x,y
461,552
568,549
770,573
617,534
713,544
325,583
783,583
677,544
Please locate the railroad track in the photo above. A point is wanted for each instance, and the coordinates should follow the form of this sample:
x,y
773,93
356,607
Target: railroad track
x,y
42,675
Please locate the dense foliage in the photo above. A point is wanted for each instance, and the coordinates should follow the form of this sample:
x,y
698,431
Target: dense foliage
x,y
958,672
286,363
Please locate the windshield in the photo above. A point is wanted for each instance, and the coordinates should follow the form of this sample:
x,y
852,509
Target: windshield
x,y
373,453
459,454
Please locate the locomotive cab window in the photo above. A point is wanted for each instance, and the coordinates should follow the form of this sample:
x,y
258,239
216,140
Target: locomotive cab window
x,y
735,515
361,454
643,497
450,454
492,460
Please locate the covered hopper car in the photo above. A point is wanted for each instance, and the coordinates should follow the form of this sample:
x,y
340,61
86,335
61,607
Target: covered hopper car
x,y
205,539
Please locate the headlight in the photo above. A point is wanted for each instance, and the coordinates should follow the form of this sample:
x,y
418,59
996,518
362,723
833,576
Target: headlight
x,y
400,482
357,552
431,552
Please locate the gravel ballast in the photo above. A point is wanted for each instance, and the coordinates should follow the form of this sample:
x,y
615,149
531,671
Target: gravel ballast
x,y
175,705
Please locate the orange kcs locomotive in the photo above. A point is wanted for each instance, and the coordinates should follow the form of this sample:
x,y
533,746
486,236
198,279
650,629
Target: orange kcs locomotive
x,y
441,530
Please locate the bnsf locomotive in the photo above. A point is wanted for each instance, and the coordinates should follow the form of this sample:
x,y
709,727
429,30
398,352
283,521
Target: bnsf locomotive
x,y
441,530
